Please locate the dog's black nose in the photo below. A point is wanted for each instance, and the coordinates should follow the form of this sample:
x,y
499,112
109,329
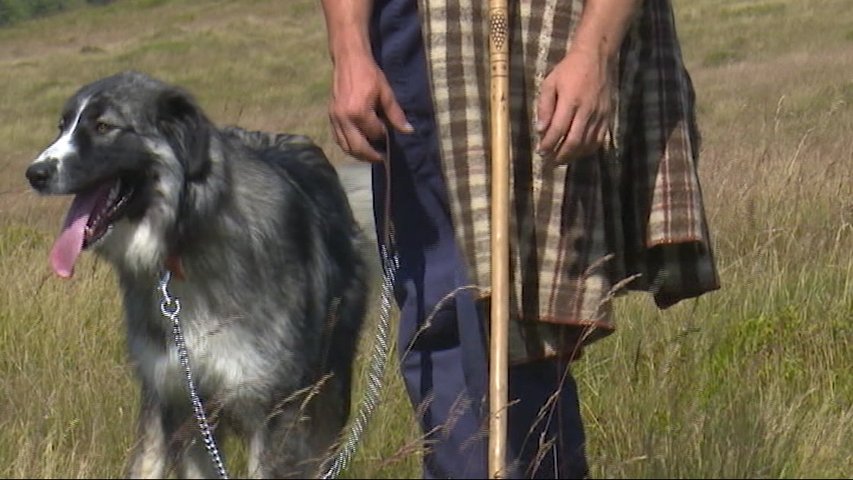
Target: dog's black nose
x,y
40,173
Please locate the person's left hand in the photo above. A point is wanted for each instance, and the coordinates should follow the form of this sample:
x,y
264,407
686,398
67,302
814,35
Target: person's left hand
x,y
575,106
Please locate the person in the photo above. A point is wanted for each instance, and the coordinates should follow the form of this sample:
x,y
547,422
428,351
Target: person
x,y
605,199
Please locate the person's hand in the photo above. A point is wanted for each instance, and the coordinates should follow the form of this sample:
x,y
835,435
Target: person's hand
x,y
361,104
575,106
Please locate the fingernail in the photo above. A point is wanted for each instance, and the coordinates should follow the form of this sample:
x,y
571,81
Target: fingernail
x,y
408,128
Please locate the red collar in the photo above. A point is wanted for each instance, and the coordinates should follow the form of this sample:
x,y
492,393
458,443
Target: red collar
x,y
174,265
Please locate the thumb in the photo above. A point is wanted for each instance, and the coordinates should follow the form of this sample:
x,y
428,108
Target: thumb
x,y
393,112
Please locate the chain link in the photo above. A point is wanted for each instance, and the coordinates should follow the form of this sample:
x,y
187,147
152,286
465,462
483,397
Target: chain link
x,y
378,359
379,356
170,307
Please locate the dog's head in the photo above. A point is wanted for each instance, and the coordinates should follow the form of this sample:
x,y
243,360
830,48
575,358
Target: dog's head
x,y
127,146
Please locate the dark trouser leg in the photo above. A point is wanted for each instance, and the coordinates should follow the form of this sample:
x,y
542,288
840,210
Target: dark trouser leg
x,y
444,364
545,429
440,340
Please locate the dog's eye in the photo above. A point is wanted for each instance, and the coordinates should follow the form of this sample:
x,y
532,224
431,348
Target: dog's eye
x,y
104,128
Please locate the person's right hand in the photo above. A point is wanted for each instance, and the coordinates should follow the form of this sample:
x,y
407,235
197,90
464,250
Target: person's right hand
x,y
361,104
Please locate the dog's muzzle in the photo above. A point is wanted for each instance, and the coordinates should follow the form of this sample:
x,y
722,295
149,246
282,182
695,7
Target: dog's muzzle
x,y
41,173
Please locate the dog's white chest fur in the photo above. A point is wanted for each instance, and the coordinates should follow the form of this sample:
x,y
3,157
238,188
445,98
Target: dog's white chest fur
x,y
218,358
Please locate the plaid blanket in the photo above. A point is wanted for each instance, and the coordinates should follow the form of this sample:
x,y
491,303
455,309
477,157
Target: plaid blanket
x,y
629,218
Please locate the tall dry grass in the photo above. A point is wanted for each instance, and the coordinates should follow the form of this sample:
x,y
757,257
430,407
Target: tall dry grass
x,y
753,380
750,381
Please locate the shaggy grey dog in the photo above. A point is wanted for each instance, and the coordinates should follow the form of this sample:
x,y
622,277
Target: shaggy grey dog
x,y
265,259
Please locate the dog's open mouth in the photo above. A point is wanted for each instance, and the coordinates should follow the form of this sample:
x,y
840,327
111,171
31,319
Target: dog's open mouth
x,y
90,217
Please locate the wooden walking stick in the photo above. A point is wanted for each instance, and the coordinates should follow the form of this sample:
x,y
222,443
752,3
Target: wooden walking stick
x,y
499,345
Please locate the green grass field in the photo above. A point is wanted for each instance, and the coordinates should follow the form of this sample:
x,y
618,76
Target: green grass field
x,y
755,380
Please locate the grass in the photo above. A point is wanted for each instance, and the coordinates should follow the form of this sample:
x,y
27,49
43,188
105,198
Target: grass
x,y
755,380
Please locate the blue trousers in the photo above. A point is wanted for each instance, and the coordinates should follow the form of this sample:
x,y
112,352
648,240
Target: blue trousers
x,y
441,343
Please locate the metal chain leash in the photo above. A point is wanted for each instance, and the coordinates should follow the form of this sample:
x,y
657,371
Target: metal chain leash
x,y
170,307
379,356
378,359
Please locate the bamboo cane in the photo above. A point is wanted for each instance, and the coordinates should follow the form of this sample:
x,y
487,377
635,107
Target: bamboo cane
x,y
499,345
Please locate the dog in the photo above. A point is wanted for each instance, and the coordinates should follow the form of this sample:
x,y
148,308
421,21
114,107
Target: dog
x,y
263,253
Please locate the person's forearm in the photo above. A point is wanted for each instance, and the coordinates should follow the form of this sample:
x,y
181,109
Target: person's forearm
x,y
347,26
603,25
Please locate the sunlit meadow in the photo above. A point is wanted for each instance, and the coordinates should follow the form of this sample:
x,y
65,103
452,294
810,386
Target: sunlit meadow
x,y
755,380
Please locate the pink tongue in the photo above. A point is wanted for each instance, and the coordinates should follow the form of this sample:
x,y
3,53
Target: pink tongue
x,y
68,246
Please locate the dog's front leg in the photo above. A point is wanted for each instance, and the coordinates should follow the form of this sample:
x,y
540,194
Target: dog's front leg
x,y
169,443
195,462
149,454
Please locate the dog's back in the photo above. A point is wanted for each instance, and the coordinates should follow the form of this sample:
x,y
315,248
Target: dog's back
x,y
302,290
315,181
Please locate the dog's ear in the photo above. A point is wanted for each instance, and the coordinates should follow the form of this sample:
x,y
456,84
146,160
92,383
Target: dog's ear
x,y
187,130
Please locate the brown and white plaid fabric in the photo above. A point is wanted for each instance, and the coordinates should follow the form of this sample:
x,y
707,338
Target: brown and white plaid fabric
x,y
629,218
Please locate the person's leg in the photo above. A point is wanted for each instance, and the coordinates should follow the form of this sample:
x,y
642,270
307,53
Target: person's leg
x,y
441,361
544,423
432,353
454,438
444,364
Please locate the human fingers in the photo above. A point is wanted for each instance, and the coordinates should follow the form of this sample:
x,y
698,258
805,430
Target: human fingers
x,y
600,136
393,111
558,124
592,140
357,125
340,138
545,106
363,128
359,144
353,128
573,141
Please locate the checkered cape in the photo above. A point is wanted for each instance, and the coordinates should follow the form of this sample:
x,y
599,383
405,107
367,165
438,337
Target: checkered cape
x,y
628,218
